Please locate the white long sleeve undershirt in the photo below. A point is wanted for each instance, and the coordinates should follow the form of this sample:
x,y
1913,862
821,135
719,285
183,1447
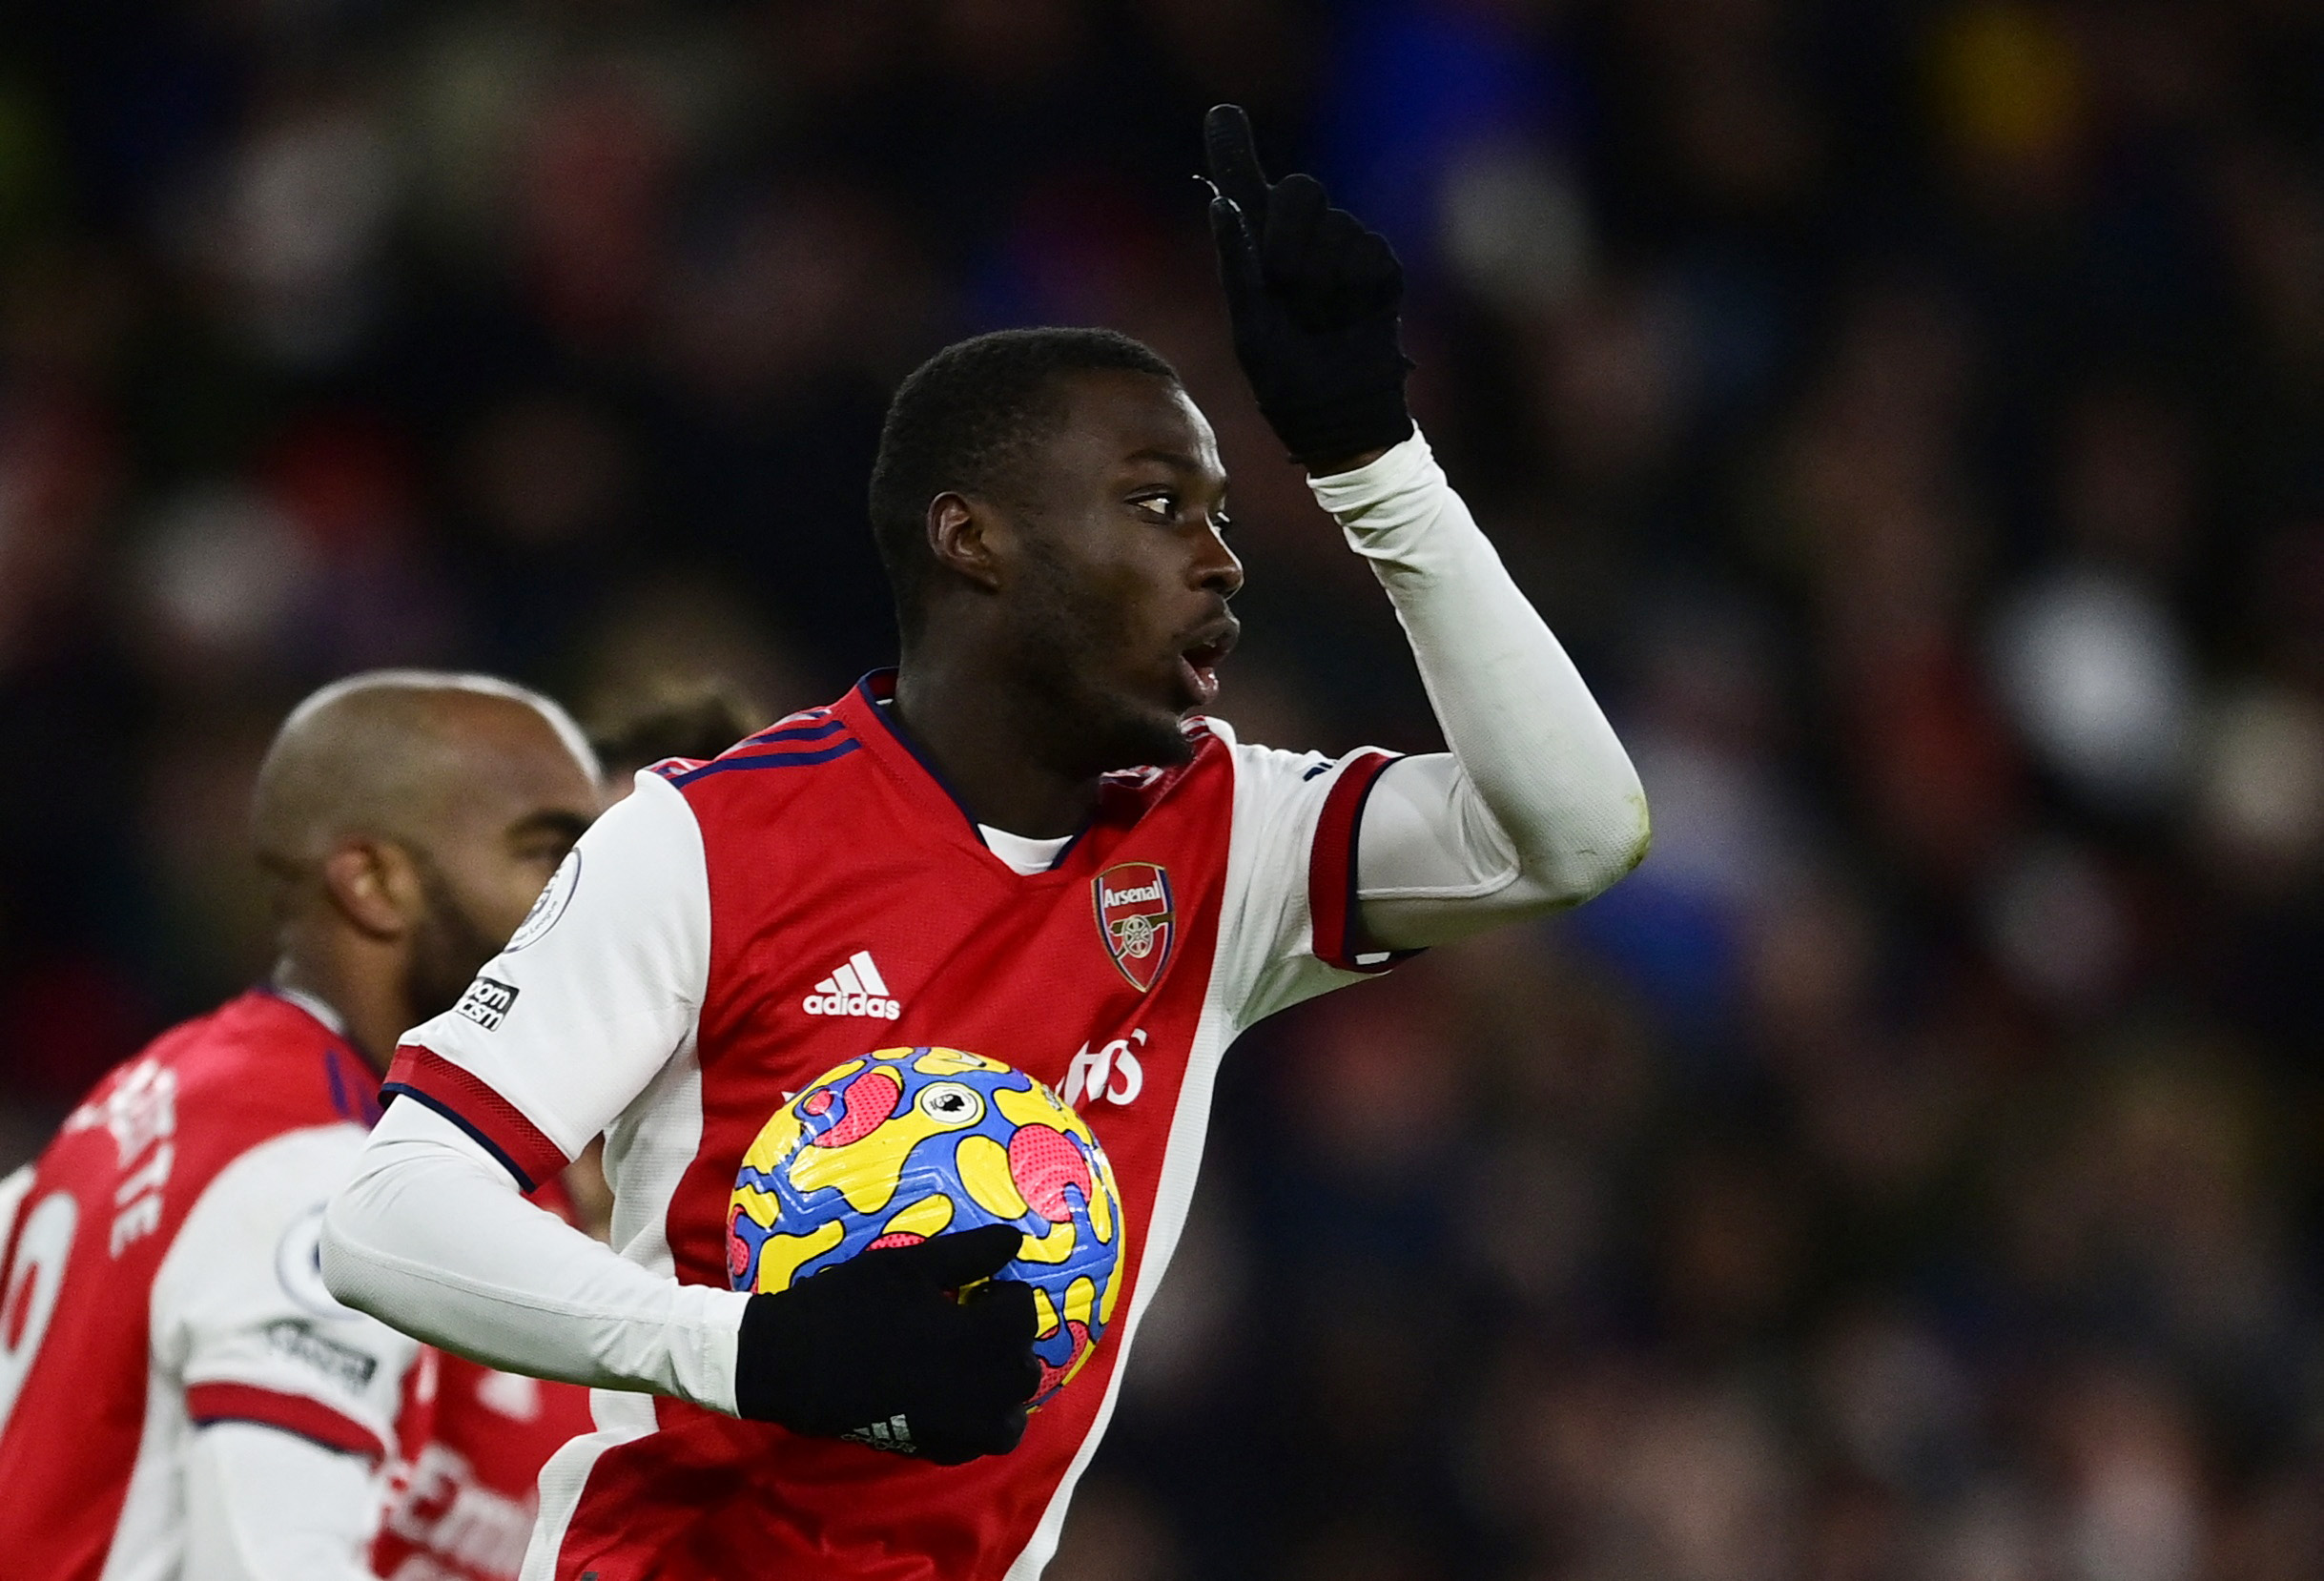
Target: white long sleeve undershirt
x,y
433,1230
1536,806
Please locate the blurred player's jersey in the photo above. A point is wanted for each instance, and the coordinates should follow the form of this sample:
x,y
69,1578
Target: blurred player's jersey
x,y
461,1502
838,900
162,1274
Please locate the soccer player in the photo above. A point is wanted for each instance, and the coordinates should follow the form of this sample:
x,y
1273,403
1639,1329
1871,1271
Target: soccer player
x,y
1027,840
180,1398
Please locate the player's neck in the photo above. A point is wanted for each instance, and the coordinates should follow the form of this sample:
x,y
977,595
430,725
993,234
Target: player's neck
x,y
371,1004
990,751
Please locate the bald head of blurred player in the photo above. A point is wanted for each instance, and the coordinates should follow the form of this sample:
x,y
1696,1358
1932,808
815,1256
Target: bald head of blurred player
x,y
1051,510
407,820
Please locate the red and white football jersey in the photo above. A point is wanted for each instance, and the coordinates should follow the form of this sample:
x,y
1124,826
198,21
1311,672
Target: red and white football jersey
x,y
460,1506
162,1274
735,929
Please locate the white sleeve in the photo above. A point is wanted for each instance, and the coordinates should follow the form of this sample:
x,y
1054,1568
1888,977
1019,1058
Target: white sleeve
x,y
433,1236
263,1506
593,995
1288,929
241,1322
1537,804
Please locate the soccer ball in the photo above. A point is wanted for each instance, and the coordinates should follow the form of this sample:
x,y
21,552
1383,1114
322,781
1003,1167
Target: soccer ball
x,y
902,1144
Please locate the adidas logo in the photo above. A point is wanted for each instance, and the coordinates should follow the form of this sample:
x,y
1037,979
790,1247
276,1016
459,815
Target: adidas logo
x,y
855,988
893,1435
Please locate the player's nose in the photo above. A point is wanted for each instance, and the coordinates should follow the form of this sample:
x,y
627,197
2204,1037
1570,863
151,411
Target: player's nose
x,y
1215,568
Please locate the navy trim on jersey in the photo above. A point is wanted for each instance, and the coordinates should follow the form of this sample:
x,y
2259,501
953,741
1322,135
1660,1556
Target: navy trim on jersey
x,y
1066,850
878,697
370,1454
404,1089
873,695
790,732
358,1105
767,760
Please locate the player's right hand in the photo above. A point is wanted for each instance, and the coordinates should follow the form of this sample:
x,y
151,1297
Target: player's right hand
x,y
882,1351
1312,296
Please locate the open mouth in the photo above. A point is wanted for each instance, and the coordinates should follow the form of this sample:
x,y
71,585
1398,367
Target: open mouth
x,y
1198,662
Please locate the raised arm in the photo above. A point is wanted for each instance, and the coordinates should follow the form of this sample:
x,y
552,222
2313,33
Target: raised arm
x,y
1536,805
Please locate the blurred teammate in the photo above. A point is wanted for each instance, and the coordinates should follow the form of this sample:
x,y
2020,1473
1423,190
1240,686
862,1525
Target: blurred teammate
x,y
180,1398
1027,841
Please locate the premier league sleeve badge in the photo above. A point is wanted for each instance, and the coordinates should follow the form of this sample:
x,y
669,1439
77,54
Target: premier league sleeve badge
x,y
1135,919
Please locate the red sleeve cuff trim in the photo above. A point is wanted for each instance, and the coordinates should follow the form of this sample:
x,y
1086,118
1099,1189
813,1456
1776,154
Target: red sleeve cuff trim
x,y
1332,872
207,1404
462,1096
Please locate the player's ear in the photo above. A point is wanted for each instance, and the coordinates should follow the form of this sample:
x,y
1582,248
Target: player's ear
x,y
967,537
373,884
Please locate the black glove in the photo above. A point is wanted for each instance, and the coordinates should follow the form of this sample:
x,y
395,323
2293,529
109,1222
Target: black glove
x,y
876,1349
1314,297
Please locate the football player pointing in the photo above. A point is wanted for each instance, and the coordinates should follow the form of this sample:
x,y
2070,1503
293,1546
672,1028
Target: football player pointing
x,y
1027,841
180,1398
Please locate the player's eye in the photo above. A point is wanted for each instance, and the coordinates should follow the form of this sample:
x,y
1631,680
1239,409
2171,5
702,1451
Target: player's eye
x,y
1221,522
1156,507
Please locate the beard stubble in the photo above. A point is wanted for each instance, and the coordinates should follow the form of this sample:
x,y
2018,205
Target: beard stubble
x,y
449,947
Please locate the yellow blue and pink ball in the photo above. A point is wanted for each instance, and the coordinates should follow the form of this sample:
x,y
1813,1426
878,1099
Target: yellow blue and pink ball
x,y
902,1144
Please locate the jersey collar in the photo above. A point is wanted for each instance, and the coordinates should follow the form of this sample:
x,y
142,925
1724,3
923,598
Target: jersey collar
x,y
876,725
320,1009
353,1081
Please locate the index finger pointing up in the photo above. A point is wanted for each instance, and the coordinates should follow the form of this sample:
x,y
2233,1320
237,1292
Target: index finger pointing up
x,y
1234,161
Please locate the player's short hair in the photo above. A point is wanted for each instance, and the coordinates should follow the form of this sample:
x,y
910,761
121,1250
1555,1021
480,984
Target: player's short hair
x,y
963,419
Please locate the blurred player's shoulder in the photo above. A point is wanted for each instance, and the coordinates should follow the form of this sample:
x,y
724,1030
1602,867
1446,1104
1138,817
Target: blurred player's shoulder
x,y
173,1222
259,1064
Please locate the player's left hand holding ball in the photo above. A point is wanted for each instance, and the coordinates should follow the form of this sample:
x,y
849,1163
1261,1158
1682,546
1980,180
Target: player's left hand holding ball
x,y
881,1340
1314,297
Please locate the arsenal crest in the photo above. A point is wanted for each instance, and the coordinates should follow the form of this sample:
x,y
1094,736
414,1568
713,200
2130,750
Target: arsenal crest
x,y
1135,919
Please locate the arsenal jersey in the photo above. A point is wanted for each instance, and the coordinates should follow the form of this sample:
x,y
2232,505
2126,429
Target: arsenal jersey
x,y
162,1275
738,927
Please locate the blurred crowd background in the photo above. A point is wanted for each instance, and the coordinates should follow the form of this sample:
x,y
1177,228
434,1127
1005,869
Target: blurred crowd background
x,y
1911,414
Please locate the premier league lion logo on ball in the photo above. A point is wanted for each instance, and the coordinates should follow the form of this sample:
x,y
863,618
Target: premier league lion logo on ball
x,y
903,1144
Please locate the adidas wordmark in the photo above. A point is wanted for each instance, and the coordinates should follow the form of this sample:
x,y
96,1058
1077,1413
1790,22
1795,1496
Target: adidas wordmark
x,y
855,988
